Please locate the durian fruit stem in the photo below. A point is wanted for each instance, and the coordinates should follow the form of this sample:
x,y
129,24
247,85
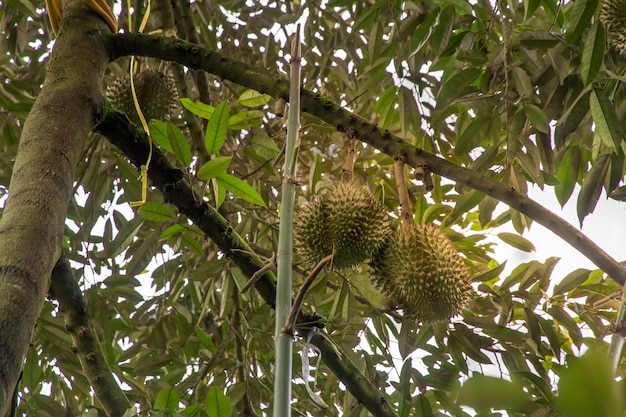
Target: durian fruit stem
x,y
283,343
348,167
406,215
297,303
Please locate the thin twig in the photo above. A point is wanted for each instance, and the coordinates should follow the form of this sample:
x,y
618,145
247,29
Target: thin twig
x,y
403,194
347,174
258,274
297,302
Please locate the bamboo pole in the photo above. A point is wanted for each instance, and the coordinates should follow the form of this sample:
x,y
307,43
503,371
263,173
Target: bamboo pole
x,y
282,381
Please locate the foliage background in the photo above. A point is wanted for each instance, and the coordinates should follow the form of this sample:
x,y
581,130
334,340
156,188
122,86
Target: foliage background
x,y
519,92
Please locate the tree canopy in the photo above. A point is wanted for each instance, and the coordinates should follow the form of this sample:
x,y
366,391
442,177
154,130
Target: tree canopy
x,y
121,295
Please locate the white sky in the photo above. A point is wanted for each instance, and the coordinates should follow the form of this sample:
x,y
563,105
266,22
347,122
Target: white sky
x,y
606,226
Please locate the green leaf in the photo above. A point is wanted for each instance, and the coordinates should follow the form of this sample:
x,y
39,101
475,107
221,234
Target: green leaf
x,y
587,387
537,117
529,8
172,231
166,399
443,30
567,174
156,212
179,144
451,88
240,189
252,98
368,290
619,193
538,39
592,187
473,135
490,274
565,320
571,281
158,131
245,120
484,393
593,53
216,403
264,146
464,203
198,108
215,167
579,17
517,241
522,82
217,128
606,120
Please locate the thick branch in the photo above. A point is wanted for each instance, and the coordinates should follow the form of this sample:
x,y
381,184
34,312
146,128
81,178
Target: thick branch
x,y
169,180
197,57
78,323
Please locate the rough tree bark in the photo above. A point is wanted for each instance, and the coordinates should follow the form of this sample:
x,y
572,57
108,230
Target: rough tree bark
x,y
31,228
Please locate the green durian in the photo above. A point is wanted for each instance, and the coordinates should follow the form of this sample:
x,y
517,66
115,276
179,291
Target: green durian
x,y
345,221
613,17
422,273
156,91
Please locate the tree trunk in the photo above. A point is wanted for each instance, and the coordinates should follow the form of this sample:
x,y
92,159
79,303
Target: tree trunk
x,y
31,228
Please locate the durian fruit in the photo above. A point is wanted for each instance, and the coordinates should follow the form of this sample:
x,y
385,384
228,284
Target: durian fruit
x,y
422,273
345,221
156,91
613,17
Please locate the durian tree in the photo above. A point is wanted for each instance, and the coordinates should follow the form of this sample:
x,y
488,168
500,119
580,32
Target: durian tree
x,y
136,250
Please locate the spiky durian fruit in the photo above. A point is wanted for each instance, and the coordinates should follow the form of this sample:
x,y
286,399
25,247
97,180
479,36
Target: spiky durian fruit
x,y
421,272
345,221
156,94
613,17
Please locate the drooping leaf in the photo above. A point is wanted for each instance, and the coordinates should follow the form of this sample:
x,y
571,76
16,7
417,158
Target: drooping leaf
x,y
179,144
593,53
592,187
443,29
606,120
158,131
579,18
567,174
216,129
537,117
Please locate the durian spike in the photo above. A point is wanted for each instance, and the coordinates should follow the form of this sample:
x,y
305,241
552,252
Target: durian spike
x,y
347,174
403,194
297,302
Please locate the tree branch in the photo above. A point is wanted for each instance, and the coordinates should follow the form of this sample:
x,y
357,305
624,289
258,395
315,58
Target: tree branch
x,y
197,57
170,181
78,323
